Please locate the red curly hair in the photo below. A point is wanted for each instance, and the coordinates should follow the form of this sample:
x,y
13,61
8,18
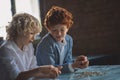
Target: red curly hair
x,y
58,15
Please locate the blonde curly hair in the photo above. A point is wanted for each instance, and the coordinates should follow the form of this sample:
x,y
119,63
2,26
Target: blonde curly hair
x,y
22,23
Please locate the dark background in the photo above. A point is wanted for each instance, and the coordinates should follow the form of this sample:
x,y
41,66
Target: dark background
x,y
96,28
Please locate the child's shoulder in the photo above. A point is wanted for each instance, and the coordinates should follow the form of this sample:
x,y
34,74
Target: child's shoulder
x,y
47,39
68,37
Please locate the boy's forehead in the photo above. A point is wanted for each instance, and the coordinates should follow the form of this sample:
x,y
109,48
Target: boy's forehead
x,y
59,25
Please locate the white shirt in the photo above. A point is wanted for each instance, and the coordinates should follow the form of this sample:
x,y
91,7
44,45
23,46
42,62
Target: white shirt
x,y
20,60
61,48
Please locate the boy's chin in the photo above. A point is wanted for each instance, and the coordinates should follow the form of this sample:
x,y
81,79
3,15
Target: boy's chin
x,y
59,40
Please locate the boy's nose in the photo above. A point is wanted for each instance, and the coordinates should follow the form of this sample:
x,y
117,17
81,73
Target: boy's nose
x,y
58,33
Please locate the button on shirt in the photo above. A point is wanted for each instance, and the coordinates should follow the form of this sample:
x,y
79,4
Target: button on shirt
x,y
18,60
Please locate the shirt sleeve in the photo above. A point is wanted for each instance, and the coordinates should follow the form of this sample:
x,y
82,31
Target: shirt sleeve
x,y
8,67
70,67
45,54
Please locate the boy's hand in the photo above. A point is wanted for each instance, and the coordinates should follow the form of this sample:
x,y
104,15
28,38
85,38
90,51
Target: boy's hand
x,y
81,62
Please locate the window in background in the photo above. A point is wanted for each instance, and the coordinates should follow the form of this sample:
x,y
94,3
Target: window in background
x,y
29,6
5,16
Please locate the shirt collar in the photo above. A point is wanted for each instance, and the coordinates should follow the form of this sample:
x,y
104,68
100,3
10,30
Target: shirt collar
x,y
63,42
25,48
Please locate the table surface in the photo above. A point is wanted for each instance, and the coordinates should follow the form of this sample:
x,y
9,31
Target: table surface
x,y
104,72
108,72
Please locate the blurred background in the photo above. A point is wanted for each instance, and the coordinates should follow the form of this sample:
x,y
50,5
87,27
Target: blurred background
x,y
96,28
